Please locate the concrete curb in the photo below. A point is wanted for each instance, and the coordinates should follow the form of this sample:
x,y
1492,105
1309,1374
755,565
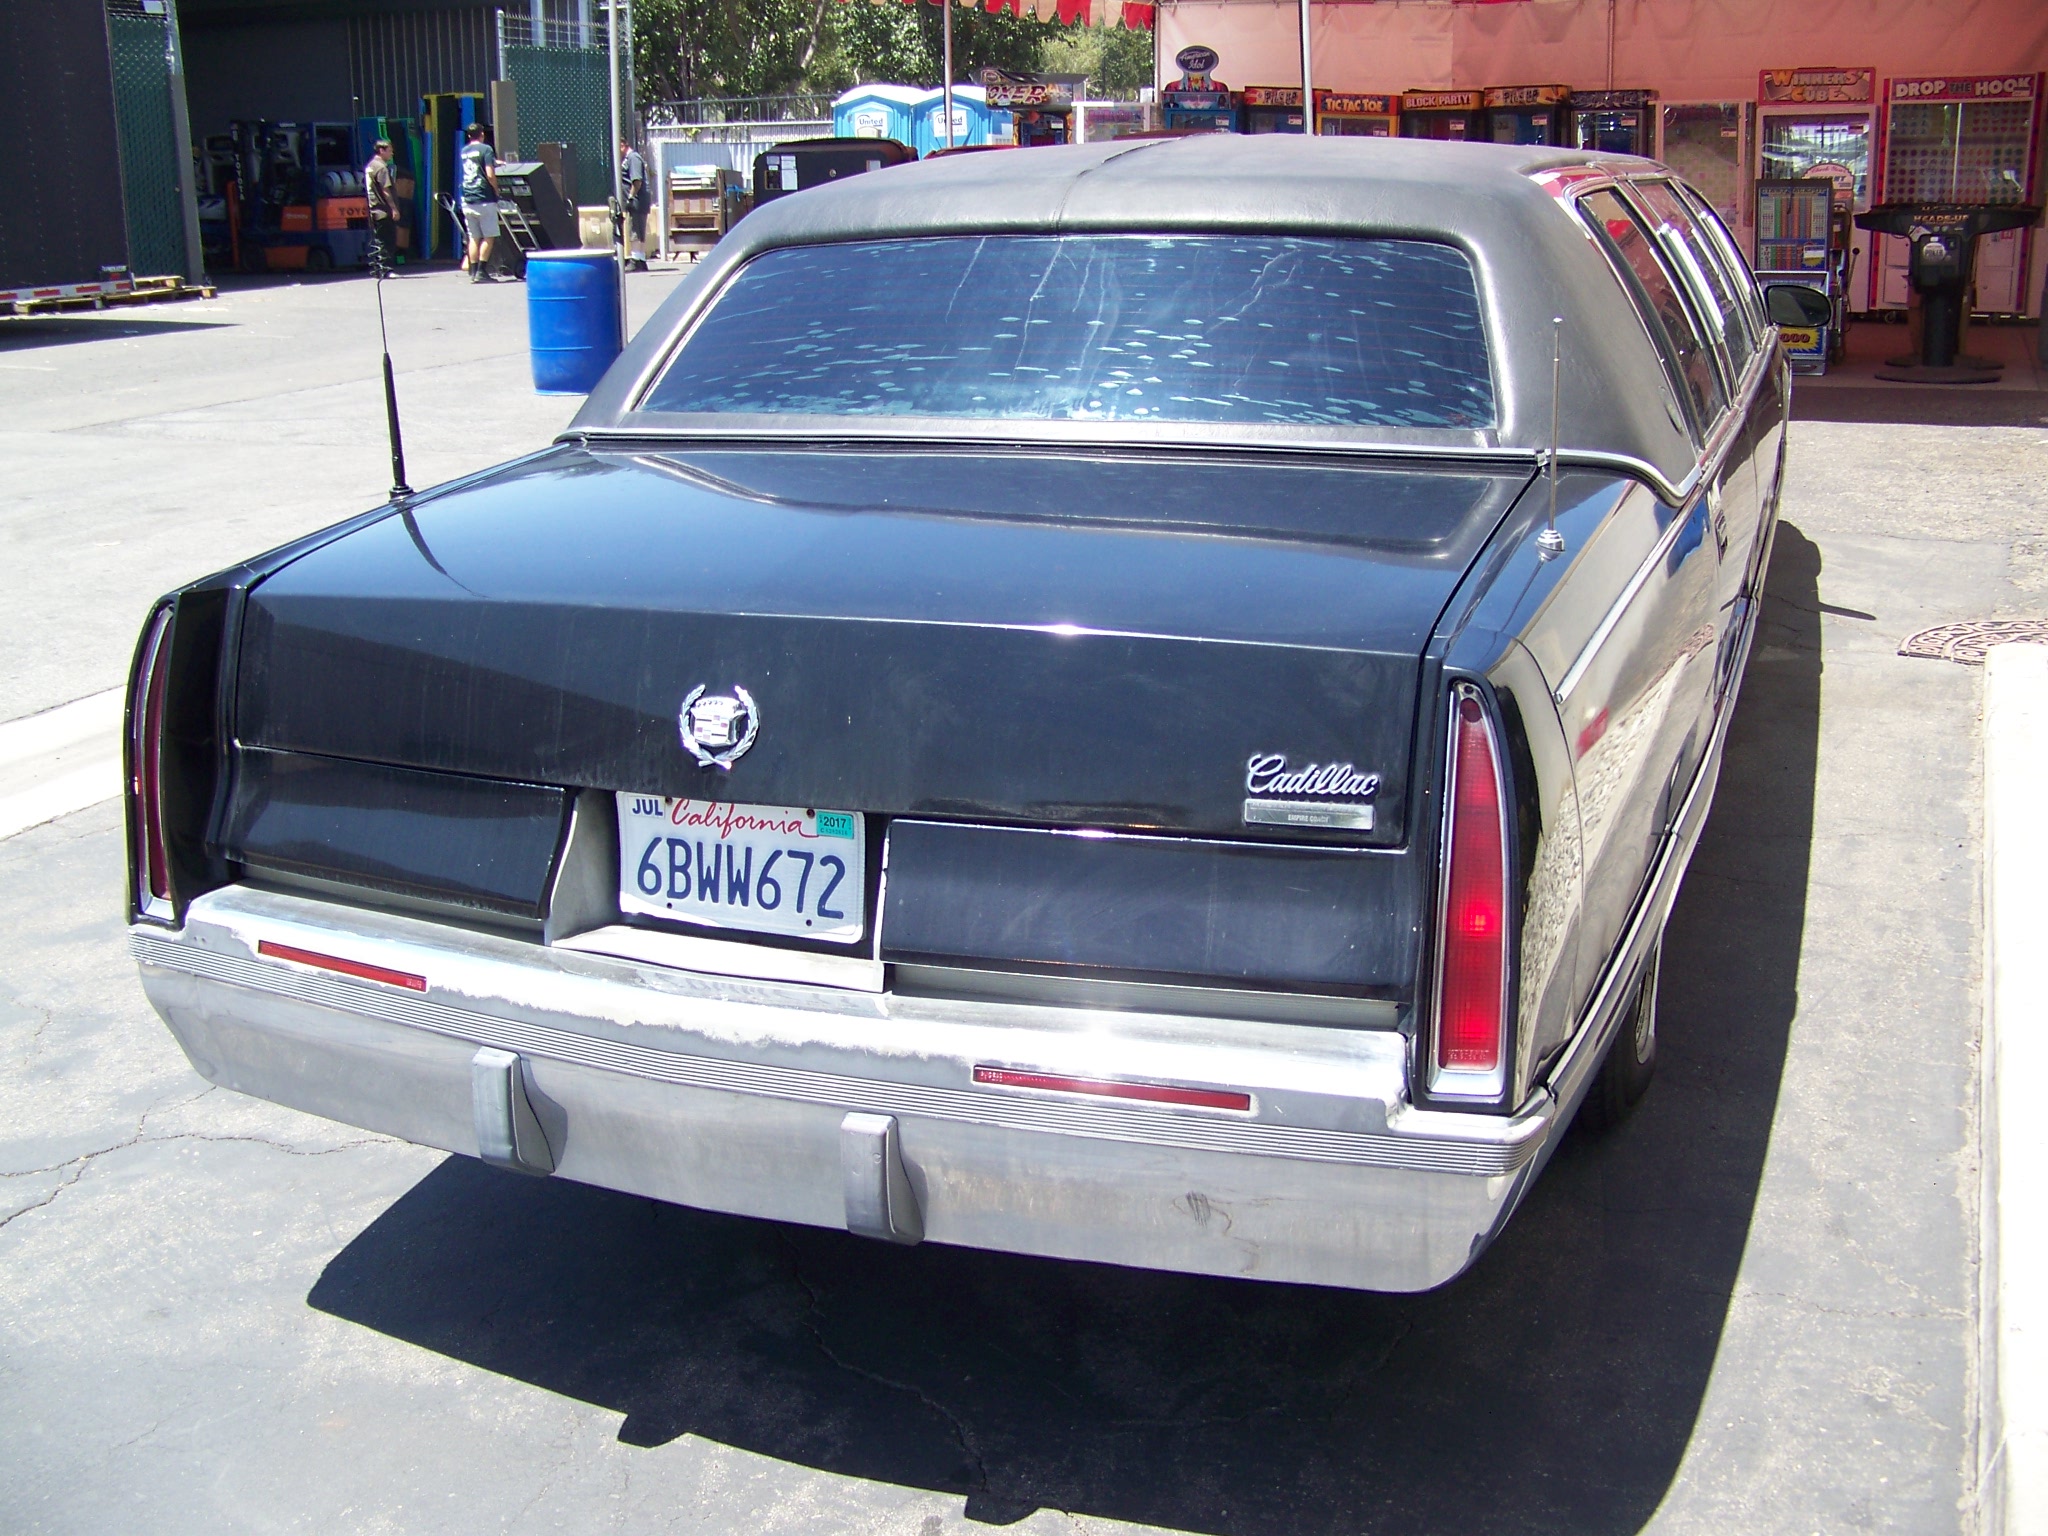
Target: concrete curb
x,y
2012,1495
60,761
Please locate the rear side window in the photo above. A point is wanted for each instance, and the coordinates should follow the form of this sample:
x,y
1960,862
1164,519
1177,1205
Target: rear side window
x,y
1643,272
1731,260
1687,243
1208,328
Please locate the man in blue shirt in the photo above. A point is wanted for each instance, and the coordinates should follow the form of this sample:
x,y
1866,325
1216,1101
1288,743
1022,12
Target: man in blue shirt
x,y
479,203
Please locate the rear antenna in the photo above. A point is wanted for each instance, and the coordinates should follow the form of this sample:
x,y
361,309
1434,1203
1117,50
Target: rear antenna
x,y
381,267
1549,543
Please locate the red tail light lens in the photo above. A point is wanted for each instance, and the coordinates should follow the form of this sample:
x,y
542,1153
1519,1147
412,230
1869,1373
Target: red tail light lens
x,y
145,754
1472,982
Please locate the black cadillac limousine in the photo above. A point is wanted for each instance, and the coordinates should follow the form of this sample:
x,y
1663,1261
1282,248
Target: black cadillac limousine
x,y
1141,702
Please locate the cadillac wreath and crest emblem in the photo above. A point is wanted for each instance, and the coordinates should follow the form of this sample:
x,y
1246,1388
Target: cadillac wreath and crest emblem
x,y
718,727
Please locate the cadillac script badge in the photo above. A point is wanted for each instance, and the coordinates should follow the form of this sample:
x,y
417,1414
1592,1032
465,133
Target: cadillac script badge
x,y
718,727
1336,796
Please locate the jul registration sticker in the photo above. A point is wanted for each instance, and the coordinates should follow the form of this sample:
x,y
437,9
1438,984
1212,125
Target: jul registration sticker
x,y
781,869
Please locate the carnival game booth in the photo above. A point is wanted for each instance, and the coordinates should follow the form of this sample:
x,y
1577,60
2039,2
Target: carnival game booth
x,y
1197,102
1351,115
1528,114
1966,142
1041,108
1443,115
1271,109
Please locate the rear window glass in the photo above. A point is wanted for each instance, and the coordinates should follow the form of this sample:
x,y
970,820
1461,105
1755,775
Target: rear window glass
x,y
1632,248
1208,328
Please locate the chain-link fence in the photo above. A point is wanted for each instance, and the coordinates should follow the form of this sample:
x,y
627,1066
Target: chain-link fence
x,y
140,45
560,90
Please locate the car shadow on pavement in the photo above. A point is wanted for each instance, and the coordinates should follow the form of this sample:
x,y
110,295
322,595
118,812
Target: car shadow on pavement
x,y
1554,1387
23,332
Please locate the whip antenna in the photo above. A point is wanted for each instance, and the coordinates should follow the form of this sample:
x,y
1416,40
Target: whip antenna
x,y
399,488
1549,543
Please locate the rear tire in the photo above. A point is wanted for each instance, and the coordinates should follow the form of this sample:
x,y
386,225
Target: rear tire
x,y
1631,1059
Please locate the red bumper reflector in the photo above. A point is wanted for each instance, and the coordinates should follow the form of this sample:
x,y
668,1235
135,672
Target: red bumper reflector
x,y
1103,1088
345,967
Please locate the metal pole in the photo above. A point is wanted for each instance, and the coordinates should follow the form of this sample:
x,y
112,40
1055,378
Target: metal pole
x,y
611,33
947,6
1308,83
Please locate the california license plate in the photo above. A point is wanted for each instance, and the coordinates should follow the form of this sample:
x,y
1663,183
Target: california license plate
x,y
763,868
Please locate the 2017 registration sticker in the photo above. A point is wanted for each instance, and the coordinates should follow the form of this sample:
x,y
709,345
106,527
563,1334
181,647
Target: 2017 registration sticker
x,y
763,868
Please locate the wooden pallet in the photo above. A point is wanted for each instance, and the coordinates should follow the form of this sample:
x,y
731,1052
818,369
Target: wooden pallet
x,y
147,290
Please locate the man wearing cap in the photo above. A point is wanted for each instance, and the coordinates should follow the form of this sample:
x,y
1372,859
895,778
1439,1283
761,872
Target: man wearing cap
x,y
479,202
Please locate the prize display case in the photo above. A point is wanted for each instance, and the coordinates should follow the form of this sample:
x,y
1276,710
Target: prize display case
x,y
1367,117
1041,109
1962,142
1613,122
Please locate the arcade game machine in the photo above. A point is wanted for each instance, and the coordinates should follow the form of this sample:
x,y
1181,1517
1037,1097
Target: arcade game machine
x,y
1968,142
1528,114
1273,109
1796,240
1041,111
1198,102
1443,115
1362,117
446,117
1613,122
1820,122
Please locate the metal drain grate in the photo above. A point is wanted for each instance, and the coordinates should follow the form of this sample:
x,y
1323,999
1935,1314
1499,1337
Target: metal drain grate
x,y
1967,641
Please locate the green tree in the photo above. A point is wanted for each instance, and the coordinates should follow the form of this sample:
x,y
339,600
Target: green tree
x,y
686,48
692,48
1116,60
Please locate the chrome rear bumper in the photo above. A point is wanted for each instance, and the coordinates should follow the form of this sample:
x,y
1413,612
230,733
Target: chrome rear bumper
x,y
843,1108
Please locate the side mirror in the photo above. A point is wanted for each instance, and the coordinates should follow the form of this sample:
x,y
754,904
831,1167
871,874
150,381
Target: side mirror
x,y
1797,304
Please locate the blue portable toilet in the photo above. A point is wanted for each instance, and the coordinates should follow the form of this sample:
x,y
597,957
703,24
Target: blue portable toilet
x,y
877,112
974,120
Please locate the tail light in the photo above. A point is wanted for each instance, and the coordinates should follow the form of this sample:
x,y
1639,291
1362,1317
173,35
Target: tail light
x,y
1472,948
145,769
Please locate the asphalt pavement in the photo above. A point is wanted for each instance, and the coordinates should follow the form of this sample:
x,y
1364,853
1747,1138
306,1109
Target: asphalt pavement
x,y
1753,1309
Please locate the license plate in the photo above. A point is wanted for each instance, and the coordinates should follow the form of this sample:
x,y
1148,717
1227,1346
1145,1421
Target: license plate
x,y
764,868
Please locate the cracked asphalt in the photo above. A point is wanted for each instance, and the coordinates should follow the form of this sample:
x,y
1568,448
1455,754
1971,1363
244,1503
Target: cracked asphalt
x,y
1751,1310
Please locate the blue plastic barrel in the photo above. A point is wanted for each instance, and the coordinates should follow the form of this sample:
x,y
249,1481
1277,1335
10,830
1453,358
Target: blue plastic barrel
x,y
572,318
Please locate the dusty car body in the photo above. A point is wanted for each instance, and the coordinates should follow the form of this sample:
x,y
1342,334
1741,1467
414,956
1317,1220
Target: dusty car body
x,y
860,778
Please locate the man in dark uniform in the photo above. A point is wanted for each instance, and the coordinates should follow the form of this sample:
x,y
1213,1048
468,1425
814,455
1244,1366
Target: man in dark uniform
x,y
633,182
380,190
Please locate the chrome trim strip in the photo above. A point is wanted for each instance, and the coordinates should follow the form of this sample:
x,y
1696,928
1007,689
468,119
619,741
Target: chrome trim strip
x,y
1576,672
1340,814
724,957
1508,1149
